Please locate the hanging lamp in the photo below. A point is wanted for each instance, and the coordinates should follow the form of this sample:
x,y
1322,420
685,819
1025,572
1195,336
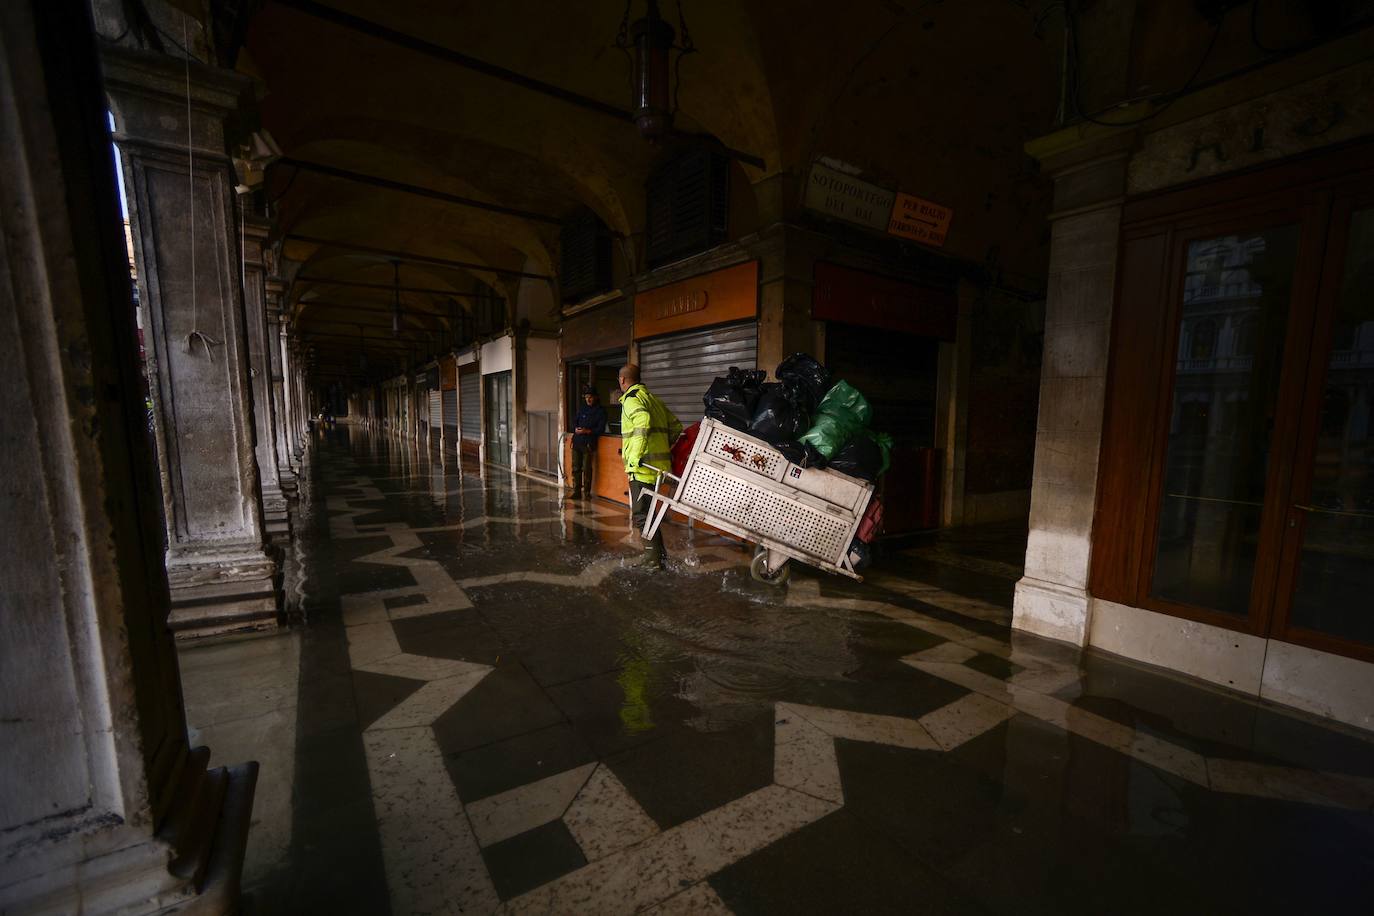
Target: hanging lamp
x,y
655,80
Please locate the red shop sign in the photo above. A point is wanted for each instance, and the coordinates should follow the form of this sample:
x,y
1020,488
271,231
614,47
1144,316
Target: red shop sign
x,y
857,297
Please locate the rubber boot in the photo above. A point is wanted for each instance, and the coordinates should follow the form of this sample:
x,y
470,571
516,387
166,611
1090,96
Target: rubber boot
x,y
653,556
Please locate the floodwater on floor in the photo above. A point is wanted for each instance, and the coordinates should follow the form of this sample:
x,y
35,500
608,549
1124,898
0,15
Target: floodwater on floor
x,y
478,706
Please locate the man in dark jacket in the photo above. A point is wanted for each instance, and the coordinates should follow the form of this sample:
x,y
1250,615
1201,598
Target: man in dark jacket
x,y
590,423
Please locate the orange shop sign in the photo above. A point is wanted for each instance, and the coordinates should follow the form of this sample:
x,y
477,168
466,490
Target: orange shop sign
x,y
920,220
725,295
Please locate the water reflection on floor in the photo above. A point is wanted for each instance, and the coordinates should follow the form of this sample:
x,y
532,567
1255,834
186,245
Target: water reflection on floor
x,y
480,708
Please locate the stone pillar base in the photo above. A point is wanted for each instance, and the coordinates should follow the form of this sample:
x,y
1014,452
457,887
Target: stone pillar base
x,y
216,595
1051,610
193,865
276,517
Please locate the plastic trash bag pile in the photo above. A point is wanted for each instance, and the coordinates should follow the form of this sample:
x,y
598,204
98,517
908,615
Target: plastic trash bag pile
x,y
813,420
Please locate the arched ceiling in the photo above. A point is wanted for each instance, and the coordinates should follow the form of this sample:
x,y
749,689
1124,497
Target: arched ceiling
x,y
935,97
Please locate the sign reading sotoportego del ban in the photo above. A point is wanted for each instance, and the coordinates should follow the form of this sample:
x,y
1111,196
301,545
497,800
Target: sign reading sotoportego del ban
x,y
845,197
920,220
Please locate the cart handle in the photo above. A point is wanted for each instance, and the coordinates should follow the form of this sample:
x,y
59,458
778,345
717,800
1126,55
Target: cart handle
x,y
659,474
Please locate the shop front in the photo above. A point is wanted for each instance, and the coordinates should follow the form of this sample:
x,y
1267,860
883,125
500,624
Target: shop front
x,y
592,347
688,333
1236,486
498,402
884,337
448,398
433,405
469,405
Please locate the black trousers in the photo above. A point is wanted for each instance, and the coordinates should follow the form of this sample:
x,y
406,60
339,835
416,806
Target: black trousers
x,y
583,467
639,511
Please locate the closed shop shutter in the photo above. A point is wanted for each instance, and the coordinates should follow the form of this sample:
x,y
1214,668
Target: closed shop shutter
x,y
435,406
451,412
678,368
897,374
470,401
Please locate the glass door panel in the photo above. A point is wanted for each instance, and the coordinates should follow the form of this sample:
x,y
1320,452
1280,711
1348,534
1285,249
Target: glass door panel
x,y
1334,594
1231,338
498,404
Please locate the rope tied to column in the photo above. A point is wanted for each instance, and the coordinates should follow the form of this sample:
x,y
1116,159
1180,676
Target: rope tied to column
x,y
196,333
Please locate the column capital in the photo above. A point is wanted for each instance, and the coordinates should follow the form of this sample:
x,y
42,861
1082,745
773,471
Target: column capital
x,y
149,90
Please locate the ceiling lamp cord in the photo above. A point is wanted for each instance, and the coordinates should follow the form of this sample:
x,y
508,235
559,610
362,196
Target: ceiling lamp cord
x,y
396,300
196,333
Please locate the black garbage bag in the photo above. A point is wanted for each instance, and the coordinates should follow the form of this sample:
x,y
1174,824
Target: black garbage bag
x,y
801,454
803,371
732,399
779,414
865,456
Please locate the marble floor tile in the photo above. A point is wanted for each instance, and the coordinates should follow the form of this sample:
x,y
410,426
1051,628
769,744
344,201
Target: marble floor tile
x,y
485,711
500,817
604,818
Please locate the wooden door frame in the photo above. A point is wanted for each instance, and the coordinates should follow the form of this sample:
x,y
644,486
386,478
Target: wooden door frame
x,y
1303,189
1290,212
1348,200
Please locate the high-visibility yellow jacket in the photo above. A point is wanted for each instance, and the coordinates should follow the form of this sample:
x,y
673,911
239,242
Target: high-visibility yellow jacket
x,y
648,430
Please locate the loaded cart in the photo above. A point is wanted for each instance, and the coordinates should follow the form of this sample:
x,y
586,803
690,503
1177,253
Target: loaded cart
x,y
743,485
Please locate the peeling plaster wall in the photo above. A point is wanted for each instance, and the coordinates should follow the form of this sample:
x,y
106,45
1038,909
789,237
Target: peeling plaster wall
x,y
541,371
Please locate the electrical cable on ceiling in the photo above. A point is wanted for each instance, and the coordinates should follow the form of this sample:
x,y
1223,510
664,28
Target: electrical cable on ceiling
x,y
1169,97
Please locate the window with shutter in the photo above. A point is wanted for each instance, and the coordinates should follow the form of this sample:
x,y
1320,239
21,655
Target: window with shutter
x,y
584,257
688,200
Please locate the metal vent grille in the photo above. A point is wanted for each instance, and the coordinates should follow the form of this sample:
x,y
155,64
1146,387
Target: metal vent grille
x,y
756,509
746,454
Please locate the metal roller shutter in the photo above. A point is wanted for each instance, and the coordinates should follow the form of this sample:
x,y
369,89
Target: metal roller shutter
x,y
678,368
436,405
470,401
451,411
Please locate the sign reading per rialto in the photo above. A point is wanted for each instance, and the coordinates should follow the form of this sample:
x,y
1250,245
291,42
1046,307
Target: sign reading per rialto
x,y
920,220
845,197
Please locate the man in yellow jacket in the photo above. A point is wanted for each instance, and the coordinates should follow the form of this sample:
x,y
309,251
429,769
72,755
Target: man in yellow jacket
x,y
648,430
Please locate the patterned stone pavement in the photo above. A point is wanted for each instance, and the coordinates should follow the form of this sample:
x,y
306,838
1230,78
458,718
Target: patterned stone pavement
x,y
481,709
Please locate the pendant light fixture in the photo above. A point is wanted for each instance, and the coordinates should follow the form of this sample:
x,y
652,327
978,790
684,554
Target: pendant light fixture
x,y
649,43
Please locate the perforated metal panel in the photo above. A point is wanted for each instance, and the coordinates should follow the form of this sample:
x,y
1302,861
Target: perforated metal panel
x,y
746,453
756,509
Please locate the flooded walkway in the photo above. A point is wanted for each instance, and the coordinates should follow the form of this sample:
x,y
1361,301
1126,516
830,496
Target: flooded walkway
x,y
481,709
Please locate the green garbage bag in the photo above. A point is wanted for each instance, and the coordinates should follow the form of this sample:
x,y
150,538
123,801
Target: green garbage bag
x,y
842,413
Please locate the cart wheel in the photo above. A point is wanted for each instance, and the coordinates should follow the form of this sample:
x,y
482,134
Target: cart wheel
x,y
759,570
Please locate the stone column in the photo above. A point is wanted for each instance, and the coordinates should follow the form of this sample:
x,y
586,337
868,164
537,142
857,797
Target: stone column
x,y
519,415
185,247
1052,597
301,410
286,476
289,395
276,520
103,805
